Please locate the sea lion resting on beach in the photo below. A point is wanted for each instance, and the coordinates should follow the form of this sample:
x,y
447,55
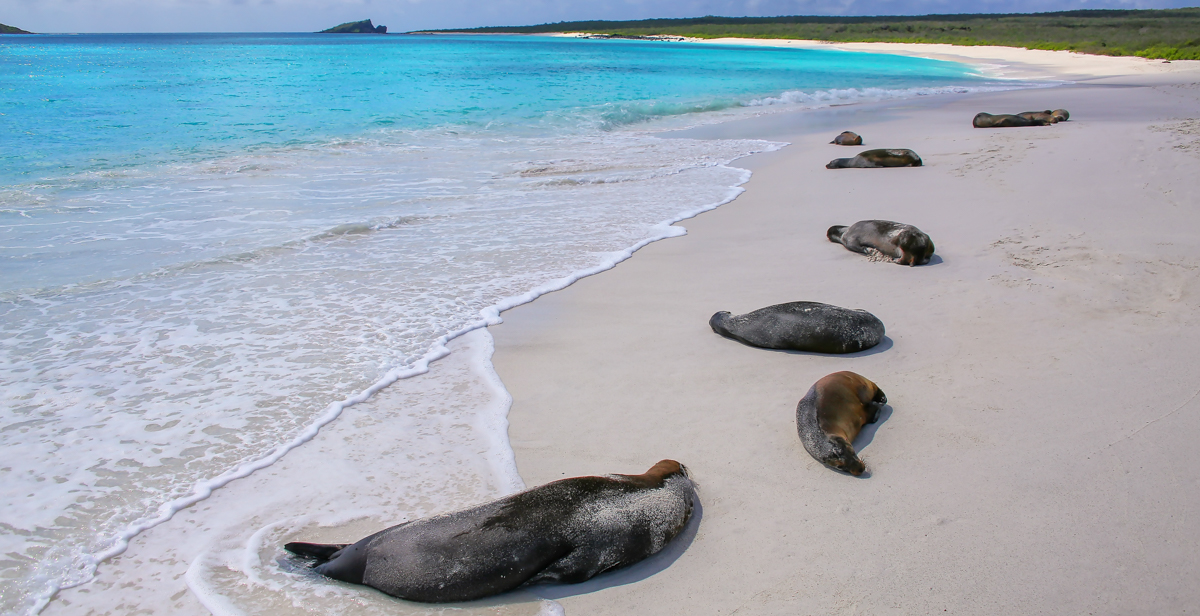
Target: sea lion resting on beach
x,y
905,244
877,158
832,413
802,326
847,138
565,531
1004,120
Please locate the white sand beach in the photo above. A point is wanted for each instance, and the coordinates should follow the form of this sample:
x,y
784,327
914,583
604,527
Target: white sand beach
x,y
1039,454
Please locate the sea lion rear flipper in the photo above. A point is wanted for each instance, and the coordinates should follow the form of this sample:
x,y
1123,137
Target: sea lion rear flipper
x,y
348,564
320,551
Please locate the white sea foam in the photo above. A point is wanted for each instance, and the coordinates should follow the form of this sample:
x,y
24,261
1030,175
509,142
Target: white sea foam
x,y
175,379
827,98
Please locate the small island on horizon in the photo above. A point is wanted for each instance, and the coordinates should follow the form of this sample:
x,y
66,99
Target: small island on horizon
x,y
12,30
356,27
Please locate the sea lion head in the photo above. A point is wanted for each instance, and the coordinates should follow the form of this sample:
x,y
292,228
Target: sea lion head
x,y
717,322
843,458
915,247
1062,115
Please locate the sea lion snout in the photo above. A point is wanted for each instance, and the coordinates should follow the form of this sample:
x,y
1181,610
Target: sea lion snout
x,y
843,457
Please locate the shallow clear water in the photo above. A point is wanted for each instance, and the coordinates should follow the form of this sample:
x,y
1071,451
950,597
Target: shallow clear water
x,y
207,240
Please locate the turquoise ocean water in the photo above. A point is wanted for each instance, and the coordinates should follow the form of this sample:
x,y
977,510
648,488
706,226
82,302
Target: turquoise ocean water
x,y
208,240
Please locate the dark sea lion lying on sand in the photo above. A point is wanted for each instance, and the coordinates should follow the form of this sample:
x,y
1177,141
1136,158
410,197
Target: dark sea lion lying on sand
x,y
565,531
802,326
877,158
847,138
832,413
905,244
987,120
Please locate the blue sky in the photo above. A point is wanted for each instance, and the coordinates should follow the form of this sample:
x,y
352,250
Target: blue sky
x,y
404,15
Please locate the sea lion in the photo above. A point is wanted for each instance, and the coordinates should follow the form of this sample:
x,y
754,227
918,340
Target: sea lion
x,y
802,326
847,138
1062,114
877,158
830,416
1039,118
905,244
565,531
1004,120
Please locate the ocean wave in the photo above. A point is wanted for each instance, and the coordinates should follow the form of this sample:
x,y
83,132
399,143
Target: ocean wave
x,y
846,96
174,381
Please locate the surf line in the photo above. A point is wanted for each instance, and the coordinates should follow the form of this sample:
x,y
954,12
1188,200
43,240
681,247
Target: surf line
x,y
438,350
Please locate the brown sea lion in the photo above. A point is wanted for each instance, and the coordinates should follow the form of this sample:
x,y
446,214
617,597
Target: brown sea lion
x,y
802,326
1039,118
847,138
905,244
987,120
877,158
1062,114
565,531
832,413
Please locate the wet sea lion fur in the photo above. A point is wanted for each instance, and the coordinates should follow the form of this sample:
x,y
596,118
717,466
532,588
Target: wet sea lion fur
x,y
565,531
1003,120
802,326
1040,118
877,158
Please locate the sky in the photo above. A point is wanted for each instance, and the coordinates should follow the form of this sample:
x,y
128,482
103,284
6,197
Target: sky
x,y
407,15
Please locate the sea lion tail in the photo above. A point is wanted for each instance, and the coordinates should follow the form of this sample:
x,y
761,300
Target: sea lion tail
x,y
322,552
835,233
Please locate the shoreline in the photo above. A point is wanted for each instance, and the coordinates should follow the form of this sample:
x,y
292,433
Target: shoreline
x,y
1035,373
1026,63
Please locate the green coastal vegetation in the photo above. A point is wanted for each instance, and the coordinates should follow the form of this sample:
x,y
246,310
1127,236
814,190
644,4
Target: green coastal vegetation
x,y
1169,34
356,27
11,30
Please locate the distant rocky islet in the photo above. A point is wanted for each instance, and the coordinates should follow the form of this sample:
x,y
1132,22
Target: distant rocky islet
x,y
12,30
356,27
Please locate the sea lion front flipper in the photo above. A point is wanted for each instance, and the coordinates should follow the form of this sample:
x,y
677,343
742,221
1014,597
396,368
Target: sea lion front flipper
x,y
876,406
